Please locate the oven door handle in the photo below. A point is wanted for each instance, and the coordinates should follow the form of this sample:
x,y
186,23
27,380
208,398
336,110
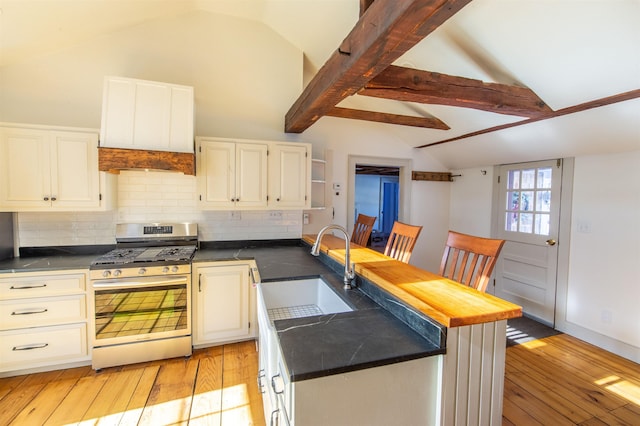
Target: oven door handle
x,y
139,282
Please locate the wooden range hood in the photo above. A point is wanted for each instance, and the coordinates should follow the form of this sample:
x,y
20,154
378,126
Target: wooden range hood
x,y
113,160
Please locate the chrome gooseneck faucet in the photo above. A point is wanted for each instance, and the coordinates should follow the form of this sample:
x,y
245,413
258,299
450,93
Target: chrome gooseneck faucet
x,y
349,275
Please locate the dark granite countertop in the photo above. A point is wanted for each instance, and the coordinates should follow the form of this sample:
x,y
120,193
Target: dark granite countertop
x,y
369,336
53,258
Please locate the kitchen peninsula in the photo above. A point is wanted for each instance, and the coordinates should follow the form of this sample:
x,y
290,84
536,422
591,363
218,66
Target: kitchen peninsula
x,y
472,370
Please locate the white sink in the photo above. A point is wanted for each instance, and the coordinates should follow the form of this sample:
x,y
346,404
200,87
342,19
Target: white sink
x,y
301,298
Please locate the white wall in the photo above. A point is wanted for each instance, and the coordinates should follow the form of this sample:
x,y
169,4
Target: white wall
x,y
603,288
470,206
245,76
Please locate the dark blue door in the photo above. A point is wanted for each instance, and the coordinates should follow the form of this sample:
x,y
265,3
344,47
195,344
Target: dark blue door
x,y
389,206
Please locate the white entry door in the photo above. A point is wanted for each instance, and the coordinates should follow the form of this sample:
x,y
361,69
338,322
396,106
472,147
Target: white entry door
x,y
529,215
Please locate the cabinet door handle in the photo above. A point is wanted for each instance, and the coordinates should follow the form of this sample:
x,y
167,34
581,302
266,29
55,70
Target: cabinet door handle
x,y
199,283
24,287
46,198
30,311
53,198
30,347
274,385
261,375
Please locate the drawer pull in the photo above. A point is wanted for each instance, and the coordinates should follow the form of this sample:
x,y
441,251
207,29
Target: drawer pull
x,y
24,287
30,311
30,347
277,384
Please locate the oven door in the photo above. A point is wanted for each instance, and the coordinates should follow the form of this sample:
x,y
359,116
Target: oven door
x,y
138,309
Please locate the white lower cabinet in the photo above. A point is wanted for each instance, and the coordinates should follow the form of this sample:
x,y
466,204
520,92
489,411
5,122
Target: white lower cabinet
x,y
43,320
223,302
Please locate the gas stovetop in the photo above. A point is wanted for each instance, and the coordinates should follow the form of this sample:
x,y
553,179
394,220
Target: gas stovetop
x,y
137,255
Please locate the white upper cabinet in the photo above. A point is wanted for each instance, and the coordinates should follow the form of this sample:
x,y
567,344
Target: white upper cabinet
x,y
231,175
257,175
289,176
149,115
45,170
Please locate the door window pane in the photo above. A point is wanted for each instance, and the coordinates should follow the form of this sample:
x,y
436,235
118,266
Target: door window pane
x,y
528,179
544,178
526,223
513,179
527,201
542,224
528,211
543,201
511,222
513,201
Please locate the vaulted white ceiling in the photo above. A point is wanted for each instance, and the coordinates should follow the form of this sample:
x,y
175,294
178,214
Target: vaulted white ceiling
x,y
567,51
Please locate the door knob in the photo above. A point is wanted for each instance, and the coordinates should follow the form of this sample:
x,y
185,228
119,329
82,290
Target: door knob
x,y
551,242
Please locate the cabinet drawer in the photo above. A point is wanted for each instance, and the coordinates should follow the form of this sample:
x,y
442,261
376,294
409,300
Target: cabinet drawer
x,y
40,286
37,347
38,312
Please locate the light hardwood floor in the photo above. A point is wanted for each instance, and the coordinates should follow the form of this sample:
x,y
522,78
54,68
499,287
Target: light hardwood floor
x,y
557,380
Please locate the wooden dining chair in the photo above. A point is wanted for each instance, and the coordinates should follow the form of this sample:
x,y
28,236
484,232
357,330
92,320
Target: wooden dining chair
x,y
401,241
469,259
362,229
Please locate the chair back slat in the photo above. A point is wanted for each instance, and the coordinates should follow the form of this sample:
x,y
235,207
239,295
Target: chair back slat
x,y
474,267
362,229
401,241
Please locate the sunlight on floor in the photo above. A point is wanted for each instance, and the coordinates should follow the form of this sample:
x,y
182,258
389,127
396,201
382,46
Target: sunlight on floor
x,y
621,387
227,406
515,335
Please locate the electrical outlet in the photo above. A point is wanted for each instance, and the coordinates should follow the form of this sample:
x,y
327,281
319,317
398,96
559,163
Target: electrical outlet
x,y
305,218
275,215
235,215
584,227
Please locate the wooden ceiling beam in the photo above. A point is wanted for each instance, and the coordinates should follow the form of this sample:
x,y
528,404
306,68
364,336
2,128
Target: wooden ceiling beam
x,y
426,87
383,117
609,100
387,30
364,5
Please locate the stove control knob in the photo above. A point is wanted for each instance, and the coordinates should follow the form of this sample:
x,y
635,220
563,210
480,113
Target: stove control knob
x,y
106,274
142,271
174,269
117,273
165,269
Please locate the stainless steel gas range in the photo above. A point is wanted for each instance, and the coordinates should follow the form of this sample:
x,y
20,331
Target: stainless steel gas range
x,y
141,294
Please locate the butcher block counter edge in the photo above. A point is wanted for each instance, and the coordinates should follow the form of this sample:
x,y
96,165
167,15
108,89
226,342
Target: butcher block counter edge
x,y
445,301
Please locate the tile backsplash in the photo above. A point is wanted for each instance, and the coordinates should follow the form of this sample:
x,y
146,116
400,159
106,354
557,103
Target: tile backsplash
x,y
155,197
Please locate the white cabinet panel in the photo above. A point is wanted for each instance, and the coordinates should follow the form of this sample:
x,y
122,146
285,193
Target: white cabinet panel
x,y
43,320
74,178
37,347
38,312
231,175
251,172
252,175
149,115
47,170
26,168
289,176
223,300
